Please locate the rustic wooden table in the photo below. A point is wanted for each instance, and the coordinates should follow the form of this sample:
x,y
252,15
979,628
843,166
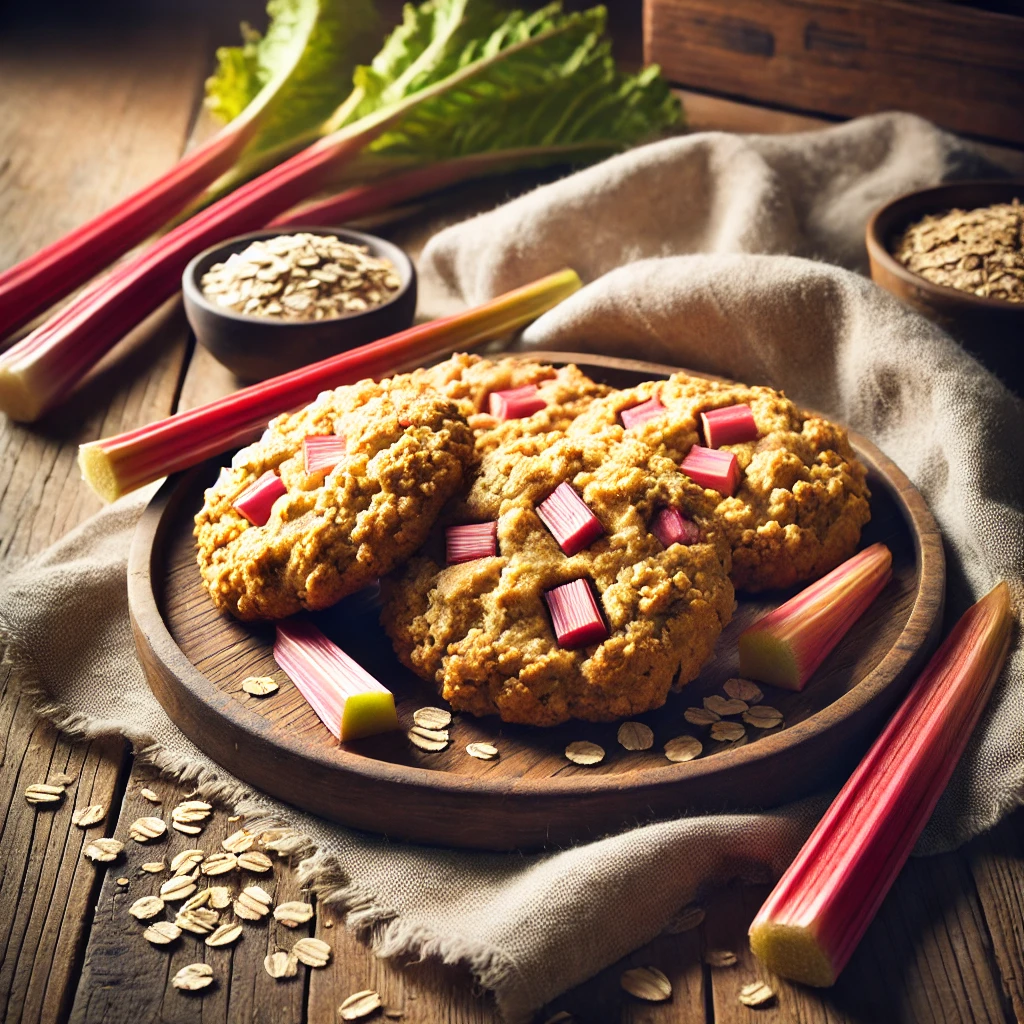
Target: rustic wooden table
x,y
83,120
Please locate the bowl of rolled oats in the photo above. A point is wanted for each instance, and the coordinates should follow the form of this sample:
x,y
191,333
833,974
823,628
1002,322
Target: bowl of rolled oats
x,y
956,254
272,301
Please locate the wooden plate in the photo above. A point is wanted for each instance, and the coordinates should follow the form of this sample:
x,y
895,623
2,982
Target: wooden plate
x,y
531,796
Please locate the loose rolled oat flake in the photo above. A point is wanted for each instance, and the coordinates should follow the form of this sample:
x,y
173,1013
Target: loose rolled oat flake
x,y
730,732
200,921
584,752
220,896
43,793
359,1005
153,867
146,907
763,717
255,861
724,707
150,795
635,736
757,993
280,965
432,718
238,842
85,817
219,864
431,746
259,686
178,887
190,811
225,934
293,913
312,952
186,860
144,829
482,751
701,716
683,748
161,933
743,689
253,903
647,983
103,850
193,977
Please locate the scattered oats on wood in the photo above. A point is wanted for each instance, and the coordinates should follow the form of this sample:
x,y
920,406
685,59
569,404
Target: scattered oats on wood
x,y
150,795
193,977
146,907
763,717
153,867
253,903
259,686
730,732
220,896
647,983
200,921
312,952
482,751
280,965
757,993
225,934
219,864
86,817
144,829
234,817
294,913
42,793
190,811
683,748
720,958
238,842
186,860
431,734
584,752
359,1005
430,746
701,716
635,736
122,881
432,718
686,920
724,707
199,899
255,861
161,933
103,850
189,830
177,887
744,689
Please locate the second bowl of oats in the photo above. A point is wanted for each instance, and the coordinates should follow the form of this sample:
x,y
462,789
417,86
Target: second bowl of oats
x,y
272,301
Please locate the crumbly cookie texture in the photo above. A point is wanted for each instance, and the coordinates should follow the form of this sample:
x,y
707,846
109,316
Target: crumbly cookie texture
x,y
803,496
481,631
407,450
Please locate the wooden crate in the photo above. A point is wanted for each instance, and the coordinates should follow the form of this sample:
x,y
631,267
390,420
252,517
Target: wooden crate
x,y
959,66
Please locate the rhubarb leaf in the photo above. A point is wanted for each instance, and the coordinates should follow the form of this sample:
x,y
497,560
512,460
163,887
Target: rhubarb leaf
x,y
294,76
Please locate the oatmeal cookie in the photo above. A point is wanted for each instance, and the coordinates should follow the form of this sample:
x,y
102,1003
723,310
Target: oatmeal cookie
x,y
803,495
333,532
481,630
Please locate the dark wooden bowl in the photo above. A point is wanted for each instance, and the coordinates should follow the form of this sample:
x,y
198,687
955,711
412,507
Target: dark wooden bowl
x,y
257,347
992,330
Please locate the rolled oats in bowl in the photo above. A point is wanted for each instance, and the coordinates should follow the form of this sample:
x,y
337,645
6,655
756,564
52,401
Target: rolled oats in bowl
x,y
301,277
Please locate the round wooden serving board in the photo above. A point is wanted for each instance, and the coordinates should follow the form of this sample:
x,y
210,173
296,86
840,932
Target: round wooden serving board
x,y
531,796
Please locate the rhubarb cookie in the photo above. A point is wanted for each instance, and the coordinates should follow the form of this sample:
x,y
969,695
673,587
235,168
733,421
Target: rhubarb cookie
x,y
791,495
330,498
578,578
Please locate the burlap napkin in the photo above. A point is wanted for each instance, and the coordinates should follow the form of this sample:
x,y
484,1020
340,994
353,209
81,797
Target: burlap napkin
x,y
530,927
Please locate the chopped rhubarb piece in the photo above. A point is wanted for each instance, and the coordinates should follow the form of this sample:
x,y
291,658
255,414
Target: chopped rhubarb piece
x,y
347,699
322,452
515,404
571,523
642,413
732,425
470,542
670,526
788,644
575,615
257,500
712,468
814,918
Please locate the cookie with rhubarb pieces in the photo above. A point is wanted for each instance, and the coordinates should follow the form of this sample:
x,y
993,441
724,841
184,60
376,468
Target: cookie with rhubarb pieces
x,y
570,605
330,498
790,494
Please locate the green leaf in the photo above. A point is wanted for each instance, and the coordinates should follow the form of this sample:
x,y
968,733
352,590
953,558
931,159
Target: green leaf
x,y
292,78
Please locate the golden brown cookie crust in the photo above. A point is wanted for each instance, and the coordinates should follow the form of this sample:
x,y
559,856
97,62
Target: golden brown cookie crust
x,y
803,496
481,631
407,450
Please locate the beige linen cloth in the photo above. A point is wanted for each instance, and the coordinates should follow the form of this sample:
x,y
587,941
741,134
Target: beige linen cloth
x,y
689,248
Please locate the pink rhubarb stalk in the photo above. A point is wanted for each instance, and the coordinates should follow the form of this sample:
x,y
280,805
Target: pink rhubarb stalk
x,y
322,452
569,519
115,465
732,425
788,644
670,526
346,698
713,469
470,542
516,403
575,616
256,502
637,415
811,923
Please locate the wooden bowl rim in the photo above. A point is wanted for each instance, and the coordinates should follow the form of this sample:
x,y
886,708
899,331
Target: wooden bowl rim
x,y
879,252
924,623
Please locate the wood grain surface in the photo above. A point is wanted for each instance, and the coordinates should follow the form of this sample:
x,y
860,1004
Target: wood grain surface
x,y
65,97
196,658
